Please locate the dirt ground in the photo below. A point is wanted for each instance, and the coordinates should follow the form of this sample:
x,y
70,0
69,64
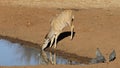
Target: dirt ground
x,y
94,28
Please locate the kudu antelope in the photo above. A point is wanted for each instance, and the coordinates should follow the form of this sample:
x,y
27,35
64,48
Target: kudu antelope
x,y
58,23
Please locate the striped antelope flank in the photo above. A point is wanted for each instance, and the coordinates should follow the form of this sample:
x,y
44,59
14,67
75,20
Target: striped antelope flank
x,y
58,23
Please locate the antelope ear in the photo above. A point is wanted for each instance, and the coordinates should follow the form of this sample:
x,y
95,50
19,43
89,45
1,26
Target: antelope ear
x,y
112,56
99,57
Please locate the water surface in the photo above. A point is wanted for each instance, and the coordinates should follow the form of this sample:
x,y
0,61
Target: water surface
x,y
15,54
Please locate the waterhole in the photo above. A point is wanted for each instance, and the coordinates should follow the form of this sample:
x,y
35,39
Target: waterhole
x,y
15,54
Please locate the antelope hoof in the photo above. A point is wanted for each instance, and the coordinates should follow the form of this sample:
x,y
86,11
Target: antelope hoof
x,y
71,38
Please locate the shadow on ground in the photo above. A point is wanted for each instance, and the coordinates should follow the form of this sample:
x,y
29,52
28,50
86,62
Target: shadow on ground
x,y
62,36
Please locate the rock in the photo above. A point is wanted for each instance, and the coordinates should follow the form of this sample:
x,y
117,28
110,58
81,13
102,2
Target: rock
x,y
99,57
112,56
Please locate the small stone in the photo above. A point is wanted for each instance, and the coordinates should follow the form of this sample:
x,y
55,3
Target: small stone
x,y
112,56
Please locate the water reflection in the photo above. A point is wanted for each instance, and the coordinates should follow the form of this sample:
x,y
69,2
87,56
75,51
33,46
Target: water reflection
x,y
52,58
14,54
48,58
